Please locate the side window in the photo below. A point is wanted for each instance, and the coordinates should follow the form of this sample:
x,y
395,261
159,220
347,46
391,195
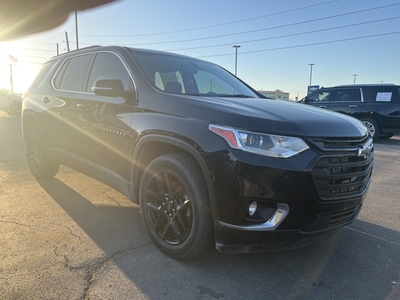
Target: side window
x,y
384,94
108,66
352,95
318,96
72,75
45,69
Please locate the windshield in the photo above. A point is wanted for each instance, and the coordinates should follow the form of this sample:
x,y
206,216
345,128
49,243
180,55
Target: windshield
x,y
183,75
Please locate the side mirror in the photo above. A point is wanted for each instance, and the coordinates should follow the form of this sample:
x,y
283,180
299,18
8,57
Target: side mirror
x,y
113,88
305,100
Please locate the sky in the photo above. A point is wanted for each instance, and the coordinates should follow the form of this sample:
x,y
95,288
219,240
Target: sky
x,y
278,39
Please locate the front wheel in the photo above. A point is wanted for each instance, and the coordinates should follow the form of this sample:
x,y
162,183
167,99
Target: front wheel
x,y
386,135
372,127
175,206
39,165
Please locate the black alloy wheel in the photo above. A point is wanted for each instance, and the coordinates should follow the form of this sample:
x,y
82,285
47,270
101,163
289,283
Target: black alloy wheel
x,y
39,165
175,206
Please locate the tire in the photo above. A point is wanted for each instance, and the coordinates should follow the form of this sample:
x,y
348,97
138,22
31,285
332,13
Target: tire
x,y
39,165
373,128
386,135
15,108
175,206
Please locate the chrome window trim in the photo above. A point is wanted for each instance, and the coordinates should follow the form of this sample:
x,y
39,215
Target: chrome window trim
x,y
87,53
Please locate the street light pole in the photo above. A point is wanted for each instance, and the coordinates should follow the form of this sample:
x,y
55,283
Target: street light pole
x,y
76,29
11,79
236,46
310,72
355,75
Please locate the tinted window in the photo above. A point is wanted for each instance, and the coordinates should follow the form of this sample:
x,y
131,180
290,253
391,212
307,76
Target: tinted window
x,y
72,75
174,74
347,95
109,66
384,93
42,73
321,95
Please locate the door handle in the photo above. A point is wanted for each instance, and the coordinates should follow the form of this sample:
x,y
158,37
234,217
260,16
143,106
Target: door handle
x,y
45,100
322,106
82,106
353,106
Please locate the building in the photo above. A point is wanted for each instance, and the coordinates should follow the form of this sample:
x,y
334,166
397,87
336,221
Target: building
x,y
277,95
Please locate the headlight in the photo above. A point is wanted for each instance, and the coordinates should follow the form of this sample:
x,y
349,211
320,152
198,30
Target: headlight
x,y
263,144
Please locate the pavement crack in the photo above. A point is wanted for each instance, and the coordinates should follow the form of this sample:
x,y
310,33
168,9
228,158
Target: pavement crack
x,y
16,223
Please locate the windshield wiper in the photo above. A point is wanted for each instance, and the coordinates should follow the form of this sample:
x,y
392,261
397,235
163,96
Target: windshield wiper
x,y
222,95
236,96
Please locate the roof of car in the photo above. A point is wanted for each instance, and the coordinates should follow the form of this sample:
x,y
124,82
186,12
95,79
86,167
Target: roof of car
x,y
129,49
358,85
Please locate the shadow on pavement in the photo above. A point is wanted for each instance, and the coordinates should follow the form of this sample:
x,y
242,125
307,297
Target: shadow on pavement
x,y
337,268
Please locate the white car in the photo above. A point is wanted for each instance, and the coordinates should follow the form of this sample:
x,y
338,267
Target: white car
x,y
11,103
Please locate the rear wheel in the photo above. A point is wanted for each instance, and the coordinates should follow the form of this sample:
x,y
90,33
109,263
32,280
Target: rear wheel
x,y
39,165
373,128
175,206
15,108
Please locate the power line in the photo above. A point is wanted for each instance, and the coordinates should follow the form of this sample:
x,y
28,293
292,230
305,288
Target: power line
x,y
267,28
306,45
31,56
35,49
212,26
288,35
28,62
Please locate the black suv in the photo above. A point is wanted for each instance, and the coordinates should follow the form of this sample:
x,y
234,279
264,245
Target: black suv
x,y
376,105
204,155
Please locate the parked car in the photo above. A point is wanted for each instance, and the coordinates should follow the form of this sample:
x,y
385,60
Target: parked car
x,y
208,160
376,105
11,103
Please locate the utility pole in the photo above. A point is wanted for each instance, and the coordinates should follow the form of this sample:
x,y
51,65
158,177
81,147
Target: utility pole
x,y
76,29
58,50
13,59
11,78
66,38
236,46
355,75
311,72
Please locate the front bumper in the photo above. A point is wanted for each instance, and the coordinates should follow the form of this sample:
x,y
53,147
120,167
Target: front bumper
x,y
301,199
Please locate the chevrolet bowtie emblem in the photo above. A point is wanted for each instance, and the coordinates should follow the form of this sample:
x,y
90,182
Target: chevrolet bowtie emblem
x,y
366,149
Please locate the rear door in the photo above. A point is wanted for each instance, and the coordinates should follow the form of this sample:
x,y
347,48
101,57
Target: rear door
x,y
105,131
68,84
346,100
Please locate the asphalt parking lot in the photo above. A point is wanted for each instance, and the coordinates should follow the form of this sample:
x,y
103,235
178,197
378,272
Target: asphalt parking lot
x,y
72,237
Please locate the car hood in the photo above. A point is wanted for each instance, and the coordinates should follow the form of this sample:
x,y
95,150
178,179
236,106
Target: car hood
x,y
289,118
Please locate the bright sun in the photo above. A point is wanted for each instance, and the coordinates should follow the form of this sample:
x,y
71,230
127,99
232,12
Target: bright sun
x,y
22,71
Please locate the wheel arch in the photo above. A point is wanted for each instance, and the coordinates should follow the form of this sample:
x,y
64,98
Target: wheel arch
x,y
153,145
29,119
369,115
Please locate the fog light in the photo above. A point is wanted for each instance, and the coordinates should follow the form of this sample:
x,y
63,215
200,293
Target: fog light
x,y
252,208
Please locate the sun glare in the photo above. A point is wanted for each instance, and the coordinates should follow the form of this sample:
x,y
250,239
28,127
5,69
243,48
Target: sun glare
x,y
13,61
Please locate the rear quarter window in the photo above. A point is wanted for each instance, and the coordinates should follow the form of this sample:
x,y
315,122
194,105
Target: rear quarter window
x,y
72,75
384,94
44,70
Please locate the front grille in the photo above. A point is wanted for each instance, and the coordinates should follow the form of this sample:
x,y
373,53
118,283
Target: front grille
x,y
334,144
339,177
344,216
